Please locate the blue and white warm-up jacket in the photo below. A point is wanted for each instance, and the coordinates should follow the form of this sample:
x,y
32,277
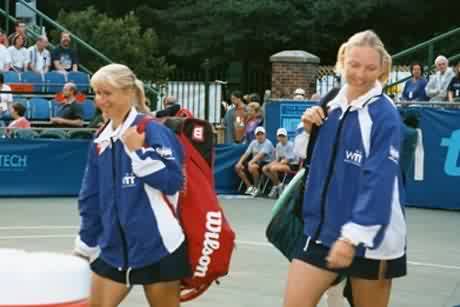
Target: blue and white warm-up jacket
x,y
125,218
354,186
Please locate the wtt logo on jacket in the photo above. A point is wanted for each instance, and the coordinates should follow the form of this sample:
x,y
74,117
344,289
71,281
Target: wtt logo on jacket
x,y
128,181
354,157
453,153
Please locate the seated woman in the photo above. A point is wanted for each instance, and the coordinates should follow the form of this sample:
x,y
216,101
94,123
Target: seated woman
x,y
414,88
255,119
258,154
285,161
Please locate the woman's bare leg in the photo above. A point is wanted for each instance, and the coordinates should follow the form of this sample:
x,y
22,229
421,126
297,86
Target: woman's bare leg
x,y
306,284
163,294
105,292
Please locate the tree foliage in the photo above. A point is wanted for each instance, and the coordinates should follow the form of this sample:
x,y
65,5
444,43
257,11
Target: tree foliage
x,y
121,39
251,30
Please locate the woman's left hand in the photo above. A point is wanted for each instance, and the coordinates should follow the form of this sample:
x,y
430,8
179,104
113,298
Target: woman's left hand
x,y
340,255
133,139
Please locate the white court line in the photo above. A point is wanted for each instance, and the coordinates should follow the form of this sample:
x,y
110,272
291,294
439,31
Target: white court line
x,y
242,242
44,227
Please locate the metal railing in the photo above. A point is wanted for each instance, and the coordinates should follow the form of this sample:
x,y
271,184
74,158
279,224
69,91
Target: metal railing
x,y
427,44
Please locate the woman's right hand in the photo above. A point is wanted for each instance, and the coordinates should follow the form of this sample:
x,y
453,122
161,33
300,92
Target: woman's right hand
x,y
314,115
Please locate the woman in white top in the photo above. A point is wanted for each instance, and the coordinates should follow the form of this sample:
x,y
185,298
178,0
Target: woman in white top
x,y
19,54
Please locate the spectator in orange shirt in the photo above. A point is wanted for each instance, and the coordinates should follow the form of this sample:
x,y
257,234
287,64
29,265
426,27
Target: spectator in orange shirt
x,y
17,111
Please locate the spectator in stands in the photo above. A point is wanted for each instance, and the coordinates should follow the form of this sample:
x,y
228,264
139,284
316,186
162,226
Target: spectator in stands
x,y
315,97
5,58
20,29
39,56
19,54
255,119
299,94
454,86
18,111
234,119
170,107
5,98
254,97
258,154
64,58
414,88
436,88
285,161
3,38
70,113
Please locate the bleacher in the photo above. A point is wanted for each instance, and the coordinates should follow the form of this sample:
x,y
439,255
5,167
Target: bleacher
x,y
40,95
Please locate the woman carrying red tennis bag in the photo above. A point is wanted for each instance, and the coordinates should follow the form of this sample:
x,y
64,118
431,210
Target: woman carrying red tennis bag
x,y
210,239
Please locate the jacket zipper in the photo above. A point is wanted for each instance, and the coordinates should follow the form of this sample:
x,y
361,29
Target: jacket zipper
x,y
122,233
329,175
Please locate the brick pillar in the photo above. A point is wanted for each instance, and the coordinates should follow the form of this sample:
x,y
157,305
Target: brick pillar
x,y
292,69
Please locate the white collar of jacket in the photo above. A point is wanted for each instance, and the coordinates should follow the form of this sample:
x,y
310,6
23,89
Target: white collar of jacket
x,y
103,140
340,101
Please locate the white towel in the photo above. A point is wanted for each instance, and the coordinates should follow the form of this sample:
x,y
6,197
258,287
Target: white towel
x,y
419,159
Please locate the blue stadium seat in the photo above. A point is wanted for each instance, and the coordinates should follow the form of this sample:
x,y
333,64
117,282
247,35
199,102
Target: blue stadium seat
x,y
26,134
40,109
35,79
89,109
54,82
11,77
80,79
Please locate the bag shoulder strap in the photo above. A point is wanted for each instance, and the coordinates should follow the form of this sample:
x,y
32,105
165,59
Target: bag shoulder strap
x,y
314,129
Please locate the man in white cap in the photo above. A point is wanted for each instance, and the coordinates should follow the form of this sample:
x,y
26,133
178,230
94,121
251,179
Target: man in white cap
x,y
436,88
285,161
258,154
299,94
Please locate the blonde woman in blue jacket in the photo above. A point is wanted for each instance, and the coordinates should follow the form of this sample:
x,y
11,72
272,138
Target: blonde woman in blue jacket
x,y
354,221
130,189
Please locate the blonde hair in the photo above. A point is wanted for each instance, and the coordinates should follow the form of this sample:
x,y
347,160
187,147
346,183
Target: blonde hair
x,y
370,39
121,77
257,108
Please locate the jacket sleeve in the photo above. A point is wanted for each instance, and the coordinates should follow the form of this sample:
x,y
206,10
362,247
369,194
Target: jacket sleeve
x,y
88,205
160,164
431,88
372,209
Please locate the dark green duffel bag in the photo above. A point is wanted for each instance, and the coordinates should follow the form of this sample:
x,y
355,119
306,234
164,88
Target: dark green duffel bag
x,y
286,226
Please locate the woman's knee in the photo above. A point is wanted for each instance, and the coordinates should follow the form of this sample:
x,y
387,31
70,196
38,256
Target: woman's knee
x,y
371,293
253,168
306,284
165,294
105,292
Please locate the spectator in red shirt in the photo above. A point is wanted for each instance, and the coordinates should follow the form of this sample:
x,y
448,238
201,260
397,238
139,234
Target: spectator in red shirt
x,y
17,111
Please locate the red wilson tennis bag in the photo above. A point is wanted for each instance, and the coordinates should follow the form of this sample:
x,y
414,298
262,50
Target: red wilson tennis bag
x,y
210,239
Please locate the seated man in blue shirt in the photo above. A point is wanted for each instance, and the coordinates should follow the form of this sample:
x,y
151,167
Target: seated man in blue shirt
x,y
70,113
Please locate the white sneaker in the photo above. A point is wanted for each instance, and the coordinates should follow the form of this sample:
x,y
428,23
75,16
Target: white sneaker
x,y
250,190
255,192
273,192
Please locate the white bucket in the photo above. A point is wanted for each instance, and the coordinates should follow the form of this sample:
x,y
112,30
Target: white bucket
x,y
42,279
